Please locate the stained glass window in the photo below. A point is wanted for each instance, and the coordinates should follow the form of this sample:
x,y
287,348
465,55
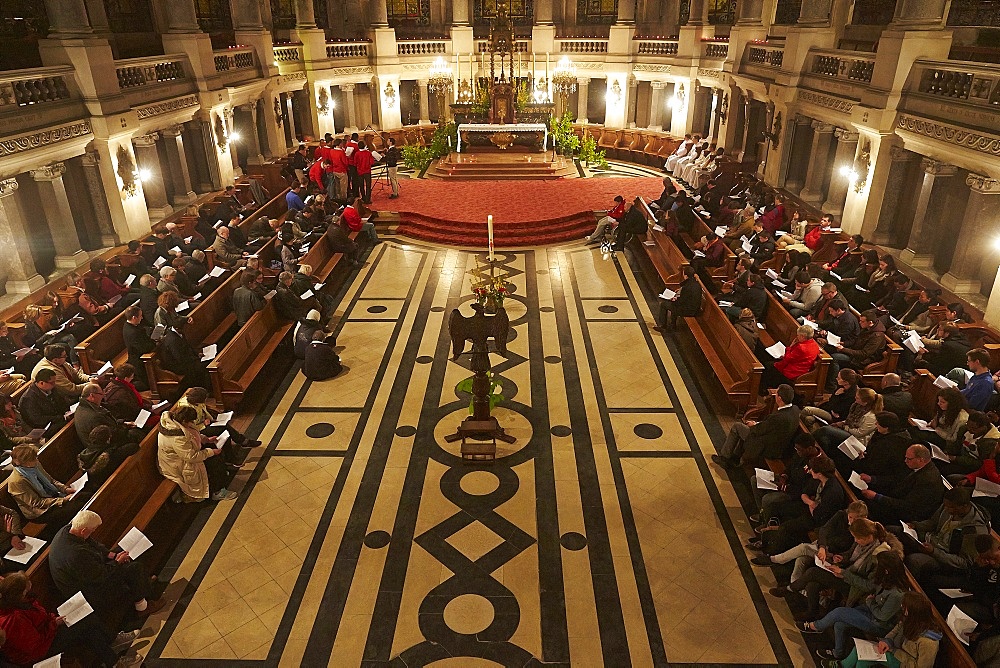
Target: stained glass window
x,y
521,12
722,12
408,12
597,11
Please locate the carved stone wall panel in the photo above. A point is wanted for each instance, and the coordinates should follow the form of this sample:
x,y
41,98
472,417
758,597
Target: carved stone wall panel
x,y
28,142
150,110
827,101
976,141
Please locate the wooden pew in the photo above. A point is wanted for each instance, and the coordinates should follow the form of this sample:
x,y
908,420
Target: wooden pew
x,y
781,326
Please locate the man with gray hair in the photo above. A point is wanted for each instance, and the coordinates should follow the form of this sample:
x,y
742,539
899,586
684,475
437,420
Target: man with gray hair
x,y
227,252
90,414
167,280
107,578
912,499
750,443
289,305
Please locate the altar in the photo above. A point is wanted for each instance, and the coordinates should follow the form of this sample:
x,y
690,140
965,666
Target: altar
x,y
529,136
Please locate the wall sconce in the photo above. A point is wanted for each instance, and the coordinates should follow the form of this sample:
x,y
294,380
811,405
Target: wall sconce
x,y
126,171
678,98
774,136
723,110
857,174
144,174
234,136
390,95
221,138
614,95
323,101
278,118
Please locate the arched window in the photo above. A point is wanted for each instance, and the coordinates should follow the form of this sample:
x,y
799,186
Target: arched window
x,y
597,11
408,12
521,12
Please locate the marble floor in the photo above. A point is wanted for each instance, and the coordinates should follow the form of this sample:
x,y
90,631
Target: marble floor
x,y
599,538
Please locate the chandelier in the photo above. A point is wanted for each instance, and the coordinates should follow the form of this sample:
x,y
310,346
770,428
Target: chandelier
x,y
440,79
564,77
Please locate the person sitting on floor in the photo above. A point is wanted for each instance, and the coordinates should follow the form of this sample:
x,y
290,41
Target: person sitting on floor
x,y
322,361
751,442
106,578
39,497
33,633
199,471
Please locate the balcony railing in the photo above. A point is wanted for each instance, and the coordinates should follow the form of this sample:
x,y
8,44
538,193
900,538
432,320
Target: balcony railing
x,y
972,82
520,46
715,50
847,65
423,47
347,49
583,46
654,47
143,71
291,53
767,56
239,58
40,85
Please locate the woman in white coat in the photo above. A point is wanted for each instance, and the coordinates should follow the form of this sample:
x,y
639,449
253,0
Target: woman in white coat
x,y
199,472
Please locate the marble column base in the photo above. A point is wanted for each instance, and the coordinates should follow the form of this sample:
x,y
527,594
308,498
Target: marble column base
x,y
25,287
256,160
882,238
811,196
159,213
584,121
185,199
71,261
916,260
424,121
794,186
959,284
651,128
109,241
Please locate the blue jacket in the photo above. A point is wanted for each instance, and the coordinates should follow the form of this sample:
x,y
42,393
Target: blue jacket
x,y
978,390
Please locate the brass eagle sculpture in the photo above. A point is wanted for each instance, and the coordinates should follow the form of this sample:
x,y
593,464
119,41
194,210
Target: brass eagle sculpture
x,y
478,329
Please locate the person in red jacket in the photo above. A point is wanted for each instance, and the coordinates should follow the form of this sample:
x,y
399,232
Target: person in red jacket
x,y
338,164
316,173
351,149
774,220
33,633
351,217
363,161
798,359
613,218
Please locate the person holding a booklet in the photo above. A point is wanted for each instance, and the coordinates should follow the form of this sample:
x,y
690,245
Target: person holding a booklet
x,y
860,422
33,633
179,356
685,303
101,456
792,361
751,442
39,497
970,451
912,643
41,406
909,499
212,425
948,423
69,381
91,413
166,310
122,398
182,456
838,405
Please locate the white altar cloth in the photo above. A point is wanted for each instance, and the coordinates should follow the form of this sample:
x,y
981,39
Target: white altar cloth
x,y
497,127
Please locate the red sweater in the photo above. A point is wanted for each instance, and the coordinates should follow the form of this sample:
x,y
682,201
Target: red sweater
x,y
352,219
618,211
350,158
814,238
30,631
316,173
773,220
799,359
364,160
988,470
338,160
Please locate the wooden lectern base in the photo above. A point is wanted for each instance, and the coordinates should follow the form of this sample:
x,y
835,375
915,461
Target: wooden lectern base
x,y
479,438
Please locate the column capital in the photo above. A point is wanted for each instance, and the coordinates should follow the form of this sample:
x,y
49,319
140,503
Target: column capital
x,y
846,136
821,127
420,82
900,154
583,81
801,119
49,172
172,131
983,185
8,186
937,168
90,159
146,140
347,88
658,85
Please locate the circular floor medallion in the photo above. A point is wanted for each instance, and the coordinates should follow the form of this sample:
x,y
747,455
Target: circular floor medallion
x,y
425,359
647,431
468,614
320,430
377,539
479,483
574,541
546,309
405,431
553,359
378,308
607,308
561,430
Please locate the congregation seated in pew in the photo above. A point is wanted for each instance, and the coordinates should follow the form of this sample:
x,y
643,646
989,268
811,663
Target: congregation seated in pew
x,y
40,498
42,406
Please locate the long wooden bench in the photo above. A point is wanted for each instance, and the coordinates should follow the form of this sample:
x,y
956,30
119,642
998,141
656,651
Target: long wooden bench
x,y
779,325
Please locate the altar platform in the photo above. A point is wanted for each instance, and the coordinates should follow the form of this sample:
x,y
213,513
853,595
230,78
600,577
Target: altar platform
x,y
511,164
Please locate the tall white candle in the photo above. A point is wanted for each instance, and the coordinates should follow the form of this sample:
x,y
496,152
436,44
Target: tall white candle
x,y
489,232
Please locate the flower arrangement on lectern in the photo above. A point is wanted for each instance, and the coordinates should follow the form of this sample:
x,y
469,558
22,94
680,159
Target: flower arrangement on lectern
x,y
492,294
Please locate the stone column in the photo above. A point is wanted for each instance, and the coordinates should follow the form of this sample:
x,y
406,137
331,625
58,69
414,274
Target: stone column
x,y
815,13
713,120
177,167
180,16
847,147
289,116
920,13
305,14
632,101
885,229
919,251
698,13
16,262
379,14
795,178
626,12
816,172
203,127
974,238
146,158
583,86
352,124
254,154
751,12
67,18
246,15
91,172
460,11
656,106
543,11
59,215
425,113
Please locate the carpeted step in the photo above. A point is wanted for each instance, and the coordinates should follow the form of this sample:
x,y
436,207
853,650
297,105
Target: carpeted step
x,y
505,235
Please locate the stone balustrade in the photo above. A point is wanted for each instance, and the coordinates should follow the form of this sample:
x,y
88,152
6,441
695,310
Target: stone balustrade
x,y
715,50
655,47
347,49
235,58
135,72
974,83
847,65
583,46
423,47
40,85
288,53
765,55
520,46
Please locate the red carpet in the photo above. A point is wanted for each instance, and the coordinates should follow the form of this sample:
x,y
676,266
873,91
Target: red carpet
x,y
524,212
